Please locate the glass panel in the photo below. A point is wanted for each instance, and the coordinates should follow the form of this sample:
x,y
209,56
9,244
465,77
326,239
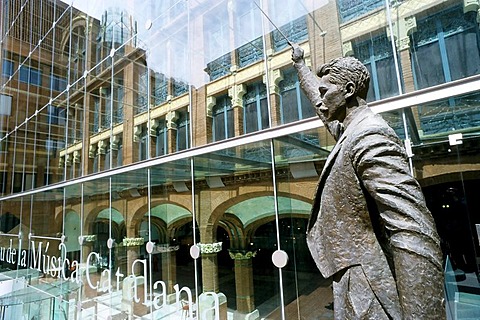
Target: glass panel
x,y
441,162
103,106
297,159
238,233
170,226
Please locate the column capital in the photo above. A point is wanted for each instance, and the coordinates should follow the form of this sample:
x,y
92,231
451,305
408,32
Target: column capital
x,y
236,93
165,247
171,117
102,147
116,141
92,150
470,5
347,49
69,159
77,156
242,254
405,28
275,76
133,242
209,248
211,102
154,123
137,133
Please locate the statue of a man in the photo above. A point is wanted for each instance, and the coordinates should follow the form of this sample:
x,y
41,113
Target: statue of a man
x,y
369,229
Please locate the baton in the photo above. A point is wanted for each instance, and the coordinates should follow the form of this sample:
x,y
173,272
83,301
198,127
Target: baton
x,y
273,24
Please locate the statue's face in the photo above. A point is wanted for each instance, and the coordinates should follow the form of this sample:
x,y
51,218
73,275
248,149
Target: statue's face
x,y
333,100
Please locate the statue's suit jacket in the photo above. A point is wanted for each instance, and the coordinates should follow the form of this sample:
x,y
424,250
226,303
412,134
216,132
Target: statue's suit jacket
x,y
369,211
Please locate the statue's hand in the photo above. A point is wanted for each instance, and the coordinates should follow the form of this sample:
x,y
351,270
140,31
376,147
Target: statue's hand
x,y
297,53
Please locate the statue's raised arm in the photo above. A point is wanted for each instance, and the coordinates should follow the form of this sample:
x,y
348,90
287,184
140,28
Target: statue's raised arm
x,y
310,86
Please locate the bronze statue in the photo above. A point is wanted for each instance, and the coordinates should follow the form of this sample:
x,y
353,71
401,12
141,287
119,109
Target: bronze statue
x,y
369,229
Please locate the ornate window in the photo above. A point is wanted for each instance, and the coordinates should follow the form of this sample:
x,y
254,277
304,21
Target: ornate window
x,y
292,21
294,105
161,146
107,119
248,33
31,76
142,101
96,114
351,9
255,108
143,153
223,119
183,138
219,67
119,161
445,48
23,181
160,89
7,68
75,48
295,31
217,36
58,83
377,55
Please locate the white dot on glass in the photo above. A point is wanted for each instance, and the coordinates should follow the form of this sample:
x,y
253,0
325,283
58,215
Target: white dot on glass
x,y
280,258
149,247
110,243
195,251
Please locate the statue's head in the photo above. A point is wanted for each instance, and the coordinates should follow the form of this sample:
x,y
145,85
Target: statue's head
x,y
347,69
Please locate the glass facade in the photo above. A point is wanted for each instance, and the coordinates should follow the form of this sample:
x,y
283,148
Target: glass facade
x,y
155,156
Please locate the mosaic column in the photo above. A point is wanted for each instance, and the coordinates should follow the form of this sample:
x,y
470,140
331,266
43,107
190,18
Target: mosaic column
x,y
169,264
86,245
209,265
133,249
244,280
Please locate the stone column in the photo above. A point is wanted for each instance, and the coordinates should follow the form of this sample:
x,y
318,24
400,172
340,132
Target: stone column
x,y
210,280
132,245
209,265
243,282
86,246
169,265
